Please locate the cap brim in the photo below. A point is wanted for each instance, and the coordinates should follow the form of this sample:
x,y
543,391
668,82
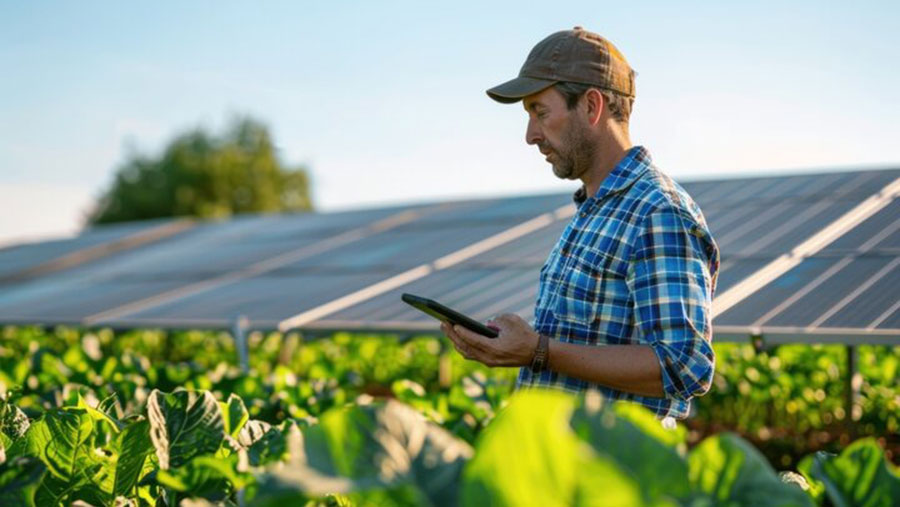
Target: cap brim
x,y
516,89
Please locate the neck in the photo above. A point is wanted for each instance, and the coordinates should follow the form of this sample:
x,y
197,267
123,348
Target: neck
x,y
613,145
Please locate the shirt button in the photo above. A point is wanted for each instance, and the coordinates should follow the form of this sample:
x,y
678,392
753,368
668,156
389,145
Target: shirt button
x,y
583,214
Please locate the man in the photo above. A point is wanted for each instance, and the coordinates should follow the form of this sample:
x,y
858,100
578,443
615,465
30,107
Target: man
x,y
624,298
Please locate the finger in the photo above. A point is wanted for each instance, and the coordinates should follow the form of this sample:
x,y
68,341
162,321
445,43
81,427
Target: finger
x,y
448,330
470,338
461,348
458,343
450,334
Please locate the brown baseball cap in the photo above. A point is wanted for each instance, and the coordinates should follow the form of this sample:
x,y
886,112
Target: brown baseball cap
x,y
576,56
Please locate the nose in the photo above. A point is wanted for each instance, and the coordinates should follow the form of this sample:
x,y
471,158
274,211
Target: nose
x,y
533,133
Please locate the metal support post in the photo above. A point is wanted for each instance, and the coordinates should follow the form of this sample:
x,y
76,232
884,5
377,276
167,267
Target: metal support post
x,y
239,332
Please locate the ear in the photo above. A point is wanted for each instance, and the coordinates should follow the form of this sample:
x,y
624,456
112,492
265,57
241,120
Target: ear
x,y
595,104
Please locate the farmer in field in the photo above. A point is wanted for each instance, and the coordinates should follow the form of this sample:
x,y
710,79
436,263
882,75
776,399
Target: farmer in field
x,y
624,299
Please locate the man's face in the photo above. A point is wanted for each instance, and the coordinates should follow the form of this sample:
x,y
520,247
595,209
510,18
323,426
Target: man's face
x,y
559,133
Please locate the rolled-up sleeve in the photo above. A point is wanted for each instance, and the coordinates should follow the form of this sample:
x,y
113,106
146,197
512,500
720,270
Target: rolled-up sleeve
x,y
672,276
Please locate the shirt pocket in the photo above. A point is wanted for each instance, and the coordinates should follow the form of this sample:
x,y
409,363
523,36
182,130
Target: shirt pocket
x,y
587,287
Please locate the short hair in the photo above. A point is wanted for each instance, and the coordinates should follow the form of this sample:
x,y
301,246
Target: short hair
x,y
619,105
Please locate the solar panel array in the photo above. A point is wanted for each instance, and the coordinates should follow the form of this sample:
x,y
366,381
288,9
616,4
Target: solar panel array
x,y
346,270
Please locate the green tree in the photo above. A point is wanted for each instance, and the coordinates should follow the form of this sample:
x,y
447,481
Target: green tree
x,y
203,175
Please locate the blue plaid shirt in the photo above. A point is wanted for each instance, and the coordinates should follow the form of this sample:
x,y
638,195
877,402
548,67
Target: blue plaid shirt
x,y
637,265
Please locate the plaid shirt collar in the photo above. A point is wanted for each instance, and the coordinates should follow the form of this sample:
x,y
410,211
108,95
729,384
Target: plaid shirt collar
x,y
635,162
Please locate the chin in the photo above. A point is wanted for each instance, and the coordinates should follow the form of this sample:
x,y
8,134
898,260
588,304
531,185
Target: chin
x,y
563,175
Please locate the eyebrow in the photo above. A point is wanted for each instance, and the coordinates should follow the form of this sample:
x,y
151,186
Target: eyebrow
x,y
533,106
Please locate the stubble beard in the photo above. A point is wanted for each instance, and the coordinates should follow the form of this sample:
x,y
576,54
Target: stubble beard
x,y
575,155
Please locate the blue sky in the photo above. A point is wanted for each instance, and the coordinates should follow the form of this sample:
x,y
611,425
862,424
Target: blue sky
x,y
384,101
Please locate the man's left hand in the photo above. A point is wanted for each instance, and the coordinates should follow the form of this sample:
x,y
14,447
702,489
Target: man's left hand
x,y
513,347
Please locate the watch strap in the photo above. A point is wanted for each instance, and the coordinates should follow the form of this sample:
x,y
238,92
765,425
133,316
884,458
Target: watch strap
x,y
541,354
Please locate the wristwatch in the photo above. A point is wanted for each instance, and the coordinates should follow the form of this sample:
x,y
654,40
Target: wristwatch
x,y
541,354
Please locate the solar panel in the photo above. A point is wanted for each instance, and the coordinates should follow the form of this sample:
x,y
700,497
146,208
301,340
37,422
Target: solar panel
x,y
264,300
401,249
217,248
480,293
768,216
508,210
755,306
369,260
852,185
804,308
890,320
783,228
68,302
873,307
732,270
882,228
209,251
528,251
22,258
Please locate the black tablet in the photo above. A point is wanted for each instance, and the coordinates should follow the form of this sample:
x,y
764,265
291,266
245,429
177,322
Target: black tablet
x,y
444,314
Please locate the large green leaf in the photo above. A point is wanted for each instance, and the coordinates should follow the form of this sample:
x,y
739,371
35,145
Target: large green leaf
x,y
733,472
60,438
388,451
133,445
602,482
19,478
530,455
634,438
64,440
184,424
860,475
